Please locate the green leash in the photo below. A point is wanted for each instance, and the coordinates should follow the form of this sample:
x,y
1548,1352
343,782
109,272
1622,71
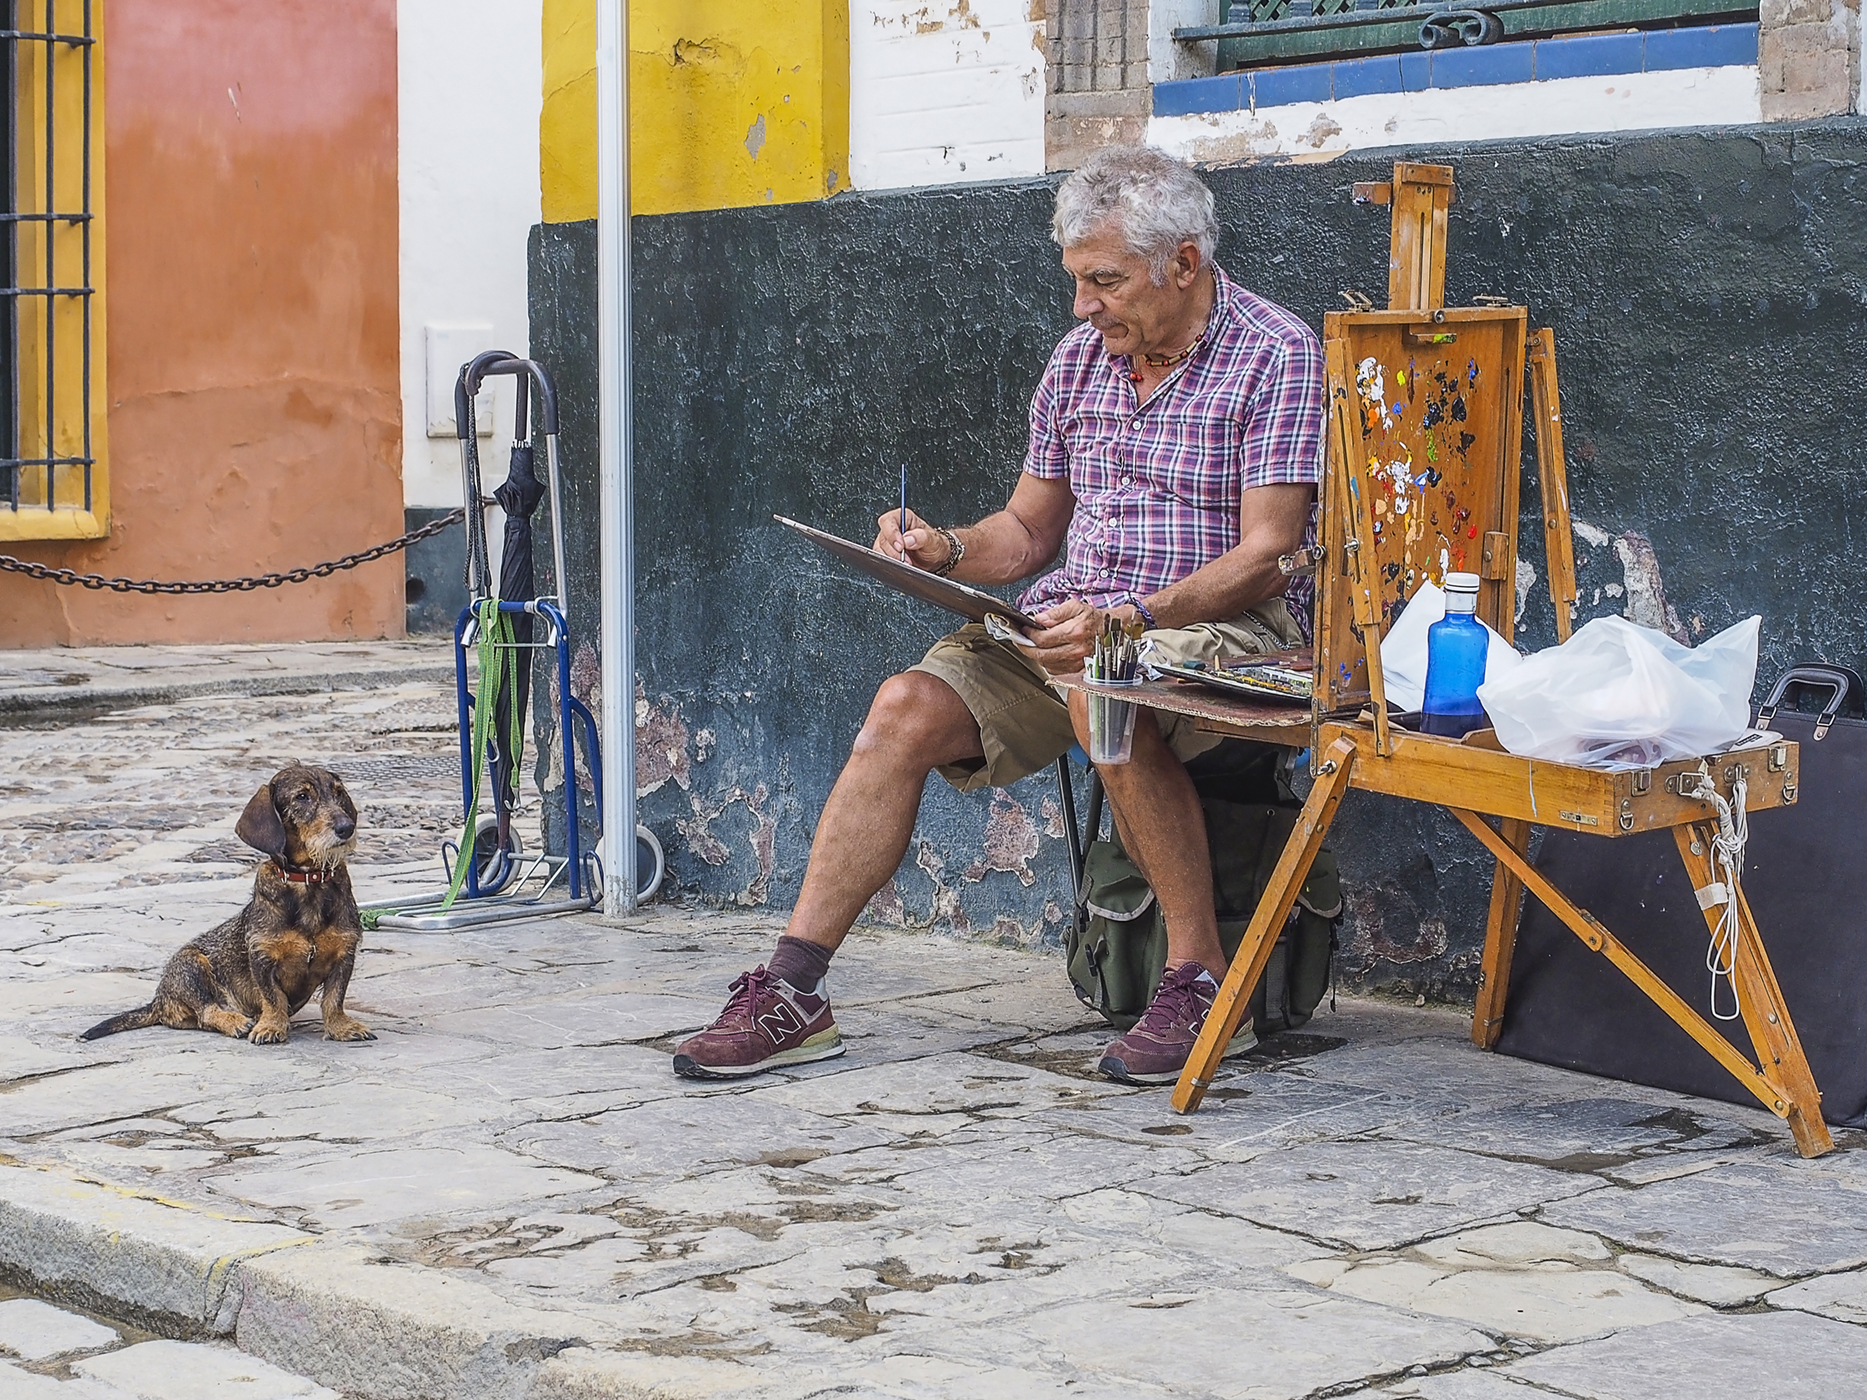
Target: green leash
x,y
498,676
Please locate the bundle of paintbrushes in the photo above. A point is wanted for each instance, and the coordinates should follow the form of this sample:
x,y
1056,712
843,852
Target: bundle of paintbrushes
x,y
1115,661
1117,656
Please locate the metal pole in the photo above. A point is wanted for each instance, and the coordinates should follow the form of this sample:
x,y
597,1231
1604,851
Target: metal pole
x,y
615,452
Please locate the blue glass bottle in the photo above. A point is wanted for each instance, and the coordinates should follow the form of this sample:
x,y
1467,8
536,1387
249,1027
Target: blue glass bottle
x,y
1455,663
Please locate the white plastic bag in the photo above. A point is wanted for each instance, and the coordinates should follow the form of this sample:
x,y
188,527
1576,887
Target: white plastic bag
x,y
1620,696
1403,649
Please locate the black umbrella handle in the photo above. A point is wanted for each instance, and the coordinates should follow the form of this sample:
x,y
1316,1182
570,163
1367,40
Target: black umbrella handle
x,y
482,367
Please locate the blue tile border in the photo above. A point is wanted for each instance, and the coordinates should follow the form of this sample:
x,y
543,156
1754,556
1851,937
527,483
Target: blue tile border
x,y
1489,65
1707,46
1225,93
1361,77
1278,87
1589,56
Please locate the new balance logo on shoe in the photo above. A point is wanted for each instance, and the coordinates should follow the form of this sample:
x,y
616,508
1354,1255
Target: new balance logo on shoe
x,y
780,1021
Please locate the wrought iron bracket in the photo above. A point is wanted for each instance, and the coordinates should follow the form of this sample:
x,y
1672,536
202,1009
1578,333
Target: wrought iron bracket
x,y
1449,29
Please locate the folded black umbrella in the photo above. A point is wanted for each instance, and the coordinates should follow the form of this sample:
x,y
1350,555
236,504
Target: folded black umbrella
x,y
518,496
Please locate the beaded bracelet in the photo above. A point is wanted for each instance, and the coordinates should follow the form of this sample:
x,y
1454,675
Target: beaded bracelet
x,y
956,551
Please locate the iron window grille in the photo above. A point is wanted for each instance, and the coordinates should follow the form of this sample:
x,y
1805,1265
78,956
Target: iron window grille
x,y
1254,32
49,483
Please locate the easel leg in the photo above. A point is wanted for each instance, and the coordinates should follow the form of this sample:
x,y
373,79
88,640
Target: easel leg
x,y
1760,999
1763,1082
1500,941
1552,474
1254,951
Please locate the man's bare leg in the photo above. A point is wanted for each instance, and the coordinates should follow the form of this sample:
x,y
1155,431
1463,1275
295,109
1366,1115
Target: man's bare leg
x,y
1164,830
780,1014
916,724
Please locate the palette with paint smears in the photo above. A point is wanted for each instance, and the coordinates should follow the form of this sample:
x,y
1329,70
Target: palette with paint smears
x,y
1279,676
1438,401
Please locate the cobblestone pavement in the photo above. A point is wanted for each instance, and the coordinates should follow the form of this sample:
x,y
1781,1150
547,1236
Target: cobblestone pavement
x,y
507,1193
69,681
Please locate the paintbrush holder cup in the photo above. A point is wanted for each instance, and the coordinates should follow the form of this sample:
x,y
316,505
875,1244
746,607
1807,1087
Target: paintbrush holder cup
x,y
1111,721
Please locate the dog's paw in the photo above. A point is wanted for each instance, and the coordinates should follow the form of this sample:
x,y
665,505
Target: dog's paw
x,y
348,1029
268,1033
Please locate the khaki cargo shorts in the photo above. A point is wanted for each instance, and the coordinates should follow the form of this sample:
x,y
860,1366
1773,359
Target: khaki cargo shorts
x,y
1024,723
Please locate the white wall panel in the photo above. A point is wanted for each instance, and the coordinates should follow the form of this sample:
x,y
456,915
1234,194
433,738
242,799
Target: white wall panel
x,y
468,120
945,91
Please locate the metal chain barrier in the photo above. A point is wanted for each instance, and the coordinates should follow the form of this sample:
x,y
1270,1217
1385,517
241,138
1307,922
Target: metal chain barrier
x,y
232,585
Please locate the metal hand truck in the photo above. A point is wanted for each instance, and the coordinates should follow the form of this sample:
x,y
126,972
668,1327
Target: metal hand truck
x,y
501,882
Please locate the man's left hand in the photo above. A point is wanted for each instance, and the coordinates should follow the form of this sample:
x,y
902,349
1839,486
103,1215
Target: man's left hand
x,y
1067,635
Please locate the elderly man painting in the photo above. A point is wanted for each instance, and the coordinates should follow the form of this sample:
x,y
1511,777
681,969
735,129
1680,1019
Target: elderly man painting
x,y
1175,443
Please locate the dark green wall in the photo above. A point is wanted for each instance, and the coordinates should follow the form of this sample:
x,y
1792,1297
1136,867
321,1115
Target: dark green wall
x,y
1707,290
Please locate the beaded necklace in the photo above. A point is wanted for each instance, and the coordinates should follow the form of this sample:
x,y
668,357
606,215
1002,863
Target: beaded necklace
x,y
1167,361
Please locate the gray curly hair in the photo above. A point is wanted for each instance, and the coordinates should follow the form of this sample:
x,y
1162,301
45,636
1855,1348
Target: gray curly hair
x,y
1157,202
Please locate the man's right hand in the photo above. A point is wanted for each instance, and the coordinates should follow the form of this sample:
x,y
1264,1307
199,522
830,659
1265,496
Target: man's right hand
x,y
923,546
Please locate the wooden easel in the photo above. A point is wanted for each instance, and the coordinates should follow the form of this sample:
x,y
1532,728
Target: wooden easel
x,y
1466,369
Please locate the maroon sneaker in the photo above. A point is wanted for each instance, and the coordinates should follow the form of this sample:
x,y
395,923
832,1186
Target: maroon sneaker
x,y
767,1023
1155,1048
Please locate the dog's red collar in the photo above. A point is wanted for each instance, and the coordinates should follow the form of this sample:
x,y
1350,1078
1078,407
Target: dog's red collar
x,y
305,877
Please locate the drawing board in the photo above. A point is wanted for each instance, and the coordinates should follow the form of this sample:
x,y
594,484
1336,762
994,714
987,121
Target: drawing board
x,y
968,602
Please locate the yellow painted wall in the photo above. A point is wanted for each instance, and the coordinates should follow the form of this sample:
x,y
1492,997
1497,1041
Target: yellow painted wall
x,y
729,104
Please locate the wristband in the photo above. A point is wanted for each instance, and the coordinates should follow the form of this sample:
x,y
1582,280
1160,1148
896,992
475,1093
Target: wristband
x,y
1146,616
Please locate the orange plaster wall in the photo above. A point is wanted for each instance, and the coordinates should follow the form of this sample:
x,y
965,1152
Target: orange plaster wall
x,y
255,418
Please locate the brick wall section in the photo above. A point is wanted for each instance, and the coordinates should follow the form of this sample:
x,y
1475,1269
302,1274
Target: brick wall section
x,y
1096,54
1809,58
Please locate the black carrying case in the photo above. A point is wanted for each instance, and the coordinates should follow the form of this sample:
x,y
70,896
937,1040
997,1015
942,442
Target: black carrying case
x,y
1805,877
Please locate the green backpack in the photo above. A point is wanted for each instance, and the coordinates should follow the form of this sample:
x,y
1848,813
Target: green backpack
x,y
1117,956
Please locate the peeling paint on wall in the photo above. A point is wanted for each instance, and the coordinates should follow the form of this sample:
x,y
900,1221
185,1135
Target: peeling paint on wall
x,y
660,745
1646,594
1011,839
1370,939
697,832
946,902
1640,584
1053,819
1526,580
887,906
1590,534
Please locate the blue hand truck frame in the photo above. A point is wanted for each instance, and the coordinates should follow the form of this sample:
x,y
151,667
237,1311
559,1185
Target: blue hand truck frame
x,y
506,884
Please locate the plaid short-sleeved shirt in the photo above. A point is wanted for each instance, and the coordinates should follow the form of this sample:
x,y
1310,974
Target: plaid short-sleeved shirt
x,y
1157,486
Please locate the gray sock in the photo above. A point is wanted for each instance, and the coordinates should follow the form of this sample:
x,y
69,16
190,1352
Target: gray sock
x,y
800,963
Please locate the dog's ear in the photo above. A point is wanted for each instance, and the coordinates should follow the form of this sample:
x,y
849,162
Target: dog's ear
x,y
259,825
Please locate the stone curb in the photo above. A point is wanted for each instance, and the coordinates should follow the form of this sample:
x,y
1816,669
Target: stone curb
x,y
56,702
380,1328
340,1314
160,1264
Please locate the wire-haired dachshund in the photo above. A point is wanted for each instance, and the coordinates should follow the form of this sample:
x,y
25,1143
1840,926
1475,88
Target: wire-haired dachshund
x,y
299,932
